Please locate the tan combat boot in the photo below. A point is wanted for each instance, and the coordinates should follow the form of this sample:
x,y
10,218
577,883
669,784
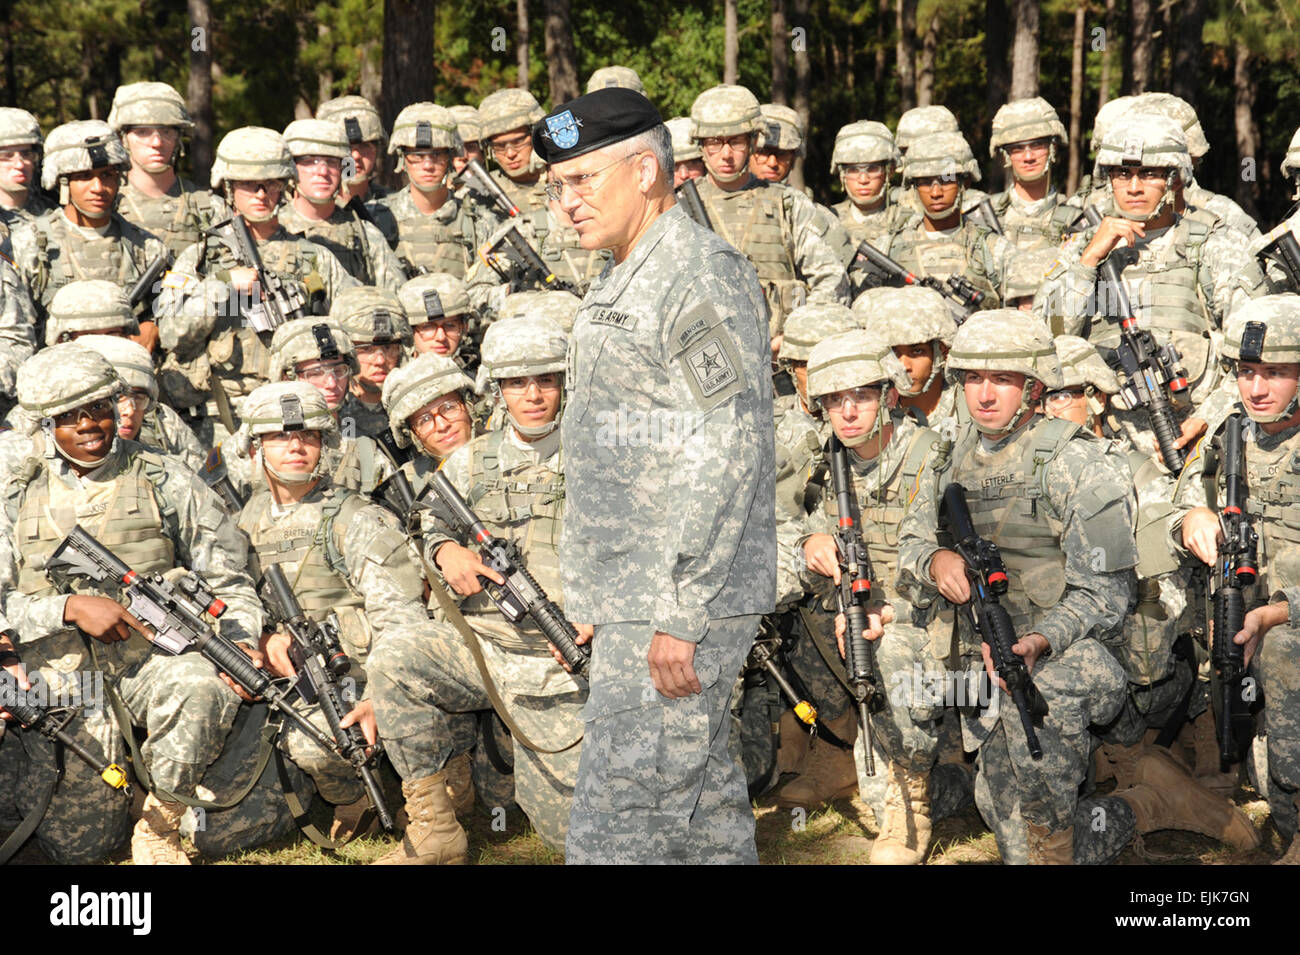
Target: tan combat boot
x,y
1166,796
1205,744
827,773
1047,847
433,836
156,839
460,783
794,744
1117,762
905,833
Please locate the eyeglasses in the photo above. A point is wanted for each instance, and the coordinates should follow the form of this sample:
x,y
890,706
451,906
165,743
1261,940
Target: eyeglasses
x,y
164,133
510,145
714,144
1148,175
135,400
865,170
22,154
449,410
391,350
859,397
337,371
269,186
430,157
583,184
925,182
1062,397
517,386
314,162
95,411
305,438
1030,146
448,326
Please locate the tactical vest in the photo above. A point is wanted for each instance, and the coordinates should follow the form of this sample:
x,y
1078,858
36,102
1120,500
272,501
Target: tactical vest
x,y
342,233
135,522
562,251
873,230
63,255
1041,231
884,501
307,543
1165,291
179,221
1273,478
1008,502
527,197
963,252
526,506
357,467
756,221
427,241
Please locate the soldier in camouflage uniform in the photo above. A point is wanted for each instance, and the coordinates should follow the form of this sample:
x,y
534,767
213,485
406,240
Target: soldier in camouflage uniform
x,y
151,119
855,377
430,229
1290,168
89,307
924,121
154,514
615,77
17,331
1191,271
376,323
365,134
85,162
209,315
1028,136
918,325
938,239
778,229
470,129
1059,509
439,311
343,557
1025,276
1167,606
865,157
669,545
514,481
320,148
140,416
428,405
688,160
21,199
1266,379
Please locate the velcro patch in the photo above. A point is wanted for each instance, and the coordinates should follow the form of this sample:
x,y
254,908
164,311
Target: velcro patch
x,y
179,280
712,366
614,319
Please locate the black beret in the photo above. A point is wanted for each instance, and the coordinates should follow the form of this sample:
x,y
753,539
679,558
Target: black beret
x,y
589,122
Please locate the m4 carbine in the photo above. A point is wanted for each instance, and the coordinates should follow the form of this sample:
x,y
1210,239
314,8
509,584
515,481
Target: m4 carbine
x,y
880,269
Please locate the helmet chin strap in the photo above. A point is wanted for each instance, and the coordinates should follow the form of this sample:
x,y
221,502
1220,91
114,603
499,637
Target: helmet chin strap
x,y
1025,408
1291,408
48,426
1166,198
535,431
732,177
1047,166
288,477
936,369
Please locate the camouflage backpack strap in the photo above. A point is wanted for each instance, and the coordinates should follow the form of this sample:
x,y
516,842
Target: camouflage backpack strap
x,y
310,277
1001,202
164,489
923,442
485,461
367,460
1050,439
1062,215
338,515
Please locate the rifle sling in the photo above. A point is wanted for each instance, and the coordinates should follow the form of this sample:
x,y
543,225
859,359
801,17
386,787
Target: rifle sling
x,y
302,816
34,818
831,658
457,620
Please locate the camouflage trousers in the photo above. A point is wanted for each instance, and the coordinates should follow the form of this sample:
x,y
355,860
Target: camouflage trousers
x,y
420,682
1082,686
1278,665
828,694
333,776
187,712
656,783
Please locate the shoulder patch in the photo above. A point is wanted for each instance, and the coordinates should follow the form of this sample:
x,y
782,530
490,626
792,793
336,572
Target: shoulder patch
x,y
712,368
176,280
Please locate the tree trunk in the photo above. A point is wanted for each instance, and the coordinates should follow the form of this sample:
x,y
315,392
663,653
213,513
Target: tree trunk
x,y
883,17
905,11
1076,100
521,43
802,84
11,71
780,54
1243,120
1187,52
996,42
730,43
1140,63
371,81
408,57
199,90
561,60
301,108
1024,50
929,47
1108,39
324,82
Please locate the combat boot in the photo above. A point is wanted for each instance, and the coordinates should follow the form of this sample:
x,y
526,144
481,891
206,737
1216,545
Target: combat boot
x,y
433,836
794,744
1205,745
1166,796
1048,847
460,783
1118,763
905,834
1292,856
827,773
156,839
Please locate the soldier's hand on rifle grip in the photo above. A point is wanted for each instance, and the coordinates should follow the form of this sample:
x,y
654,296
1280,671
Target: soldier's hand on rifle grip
x,y
585,632
1109,234
948,571
258,661
1029,648
878,614
1202,534
99,617
363,715
275,648
1258,623
462,568
822,556
1190,432
243,278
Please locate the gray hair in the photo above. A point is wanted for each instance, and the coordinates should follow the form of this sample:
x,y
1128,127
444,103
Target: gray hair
x,y
659,141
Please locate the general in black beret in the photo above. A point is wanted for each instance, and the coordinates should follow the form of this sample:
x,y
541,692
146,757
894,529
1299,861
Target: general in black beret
x,y
589,122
